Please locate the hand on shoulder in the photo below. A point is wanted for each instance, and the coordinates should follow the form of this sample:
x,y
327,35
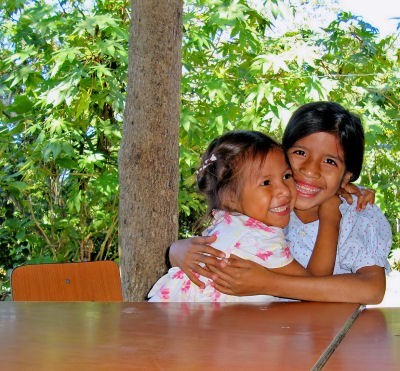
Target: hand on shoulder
x,y
364,196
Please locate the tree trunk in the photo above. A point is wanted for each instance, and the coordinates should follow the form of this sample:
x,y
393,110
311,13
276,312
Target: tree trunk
x,y
148,159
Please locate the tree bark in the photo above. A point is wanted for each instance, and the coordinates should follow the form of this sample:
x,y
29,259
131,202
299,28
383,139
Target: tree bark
x,y
148,159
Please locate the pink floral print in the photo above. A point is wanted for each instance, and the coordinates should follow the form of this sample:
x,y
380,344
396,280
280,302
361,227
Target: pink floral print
x,y
164,293
239,234
286,252
179,275
263,254
256,224
186,286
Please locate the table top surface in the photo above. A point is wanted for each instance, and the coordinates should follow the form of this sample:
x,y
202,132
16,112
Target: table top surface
x,y
373,343
167,336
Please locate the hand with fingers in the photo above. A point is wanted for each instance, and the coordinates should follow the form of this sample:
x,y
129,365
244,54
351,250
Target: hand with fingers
x,y
240,277
195,256
364,196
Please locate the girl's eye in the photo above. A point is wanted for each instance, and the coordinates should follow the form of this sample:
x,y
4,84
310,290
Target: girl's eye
x,y
288,176
299,152
265,182
331,162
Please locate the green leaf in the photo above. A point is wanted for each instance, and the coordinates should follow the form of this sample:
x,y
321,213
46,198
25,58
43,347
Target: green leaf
x,y
83,104
22,104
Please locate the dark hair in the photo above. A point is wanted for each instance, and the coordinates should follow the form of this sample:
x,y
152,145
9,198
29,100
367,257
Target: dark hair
x,y
222,164
331,118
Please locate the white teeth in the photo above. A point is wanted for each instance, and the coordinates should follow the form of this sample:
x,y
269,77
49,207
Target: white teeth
x,y
306,189
279,209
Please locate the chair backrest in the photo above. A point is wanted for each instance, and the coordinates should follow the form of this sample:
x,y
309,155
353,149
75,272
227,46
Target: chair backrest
x,y
86,281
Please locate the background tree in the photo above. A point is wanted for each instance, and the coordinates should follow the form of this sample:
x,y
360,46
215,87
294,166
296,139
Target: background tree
x,y
148,162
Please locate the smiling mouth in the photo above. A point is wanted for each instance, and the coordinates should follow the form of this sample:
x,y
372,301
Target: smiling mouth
x,y
280,209
307,189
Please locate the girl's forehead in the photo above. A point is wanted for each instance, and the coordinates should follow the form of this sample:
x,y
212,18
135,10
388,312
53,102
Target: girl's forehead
x,y
321,142
273,161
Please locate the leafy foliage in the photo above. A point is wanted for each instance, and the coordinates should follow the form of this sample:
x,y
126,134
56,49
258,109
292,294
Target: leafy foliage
x,y
63,78
254,79
63,72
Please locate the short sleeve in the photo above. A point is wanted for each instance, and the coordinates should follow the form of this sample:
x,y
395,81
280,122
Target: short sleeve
x,y
268,249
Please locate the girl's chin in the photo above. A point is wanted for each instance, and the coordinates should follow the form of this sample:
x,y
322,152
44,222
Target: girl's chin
x,y
305,204
306,211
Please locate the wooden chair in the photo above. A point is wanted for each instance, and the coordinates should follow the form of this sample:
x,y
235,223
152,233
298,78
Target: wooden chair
x,y
87,281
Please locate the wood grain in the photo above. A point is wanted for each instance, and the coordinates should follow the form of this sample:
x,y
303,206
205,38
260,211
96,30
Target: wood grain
x,y
167,336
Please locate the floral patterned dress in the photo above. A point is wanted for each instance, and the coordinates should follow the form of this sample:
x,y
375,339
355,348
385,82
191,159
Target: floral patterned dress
x,y
237,234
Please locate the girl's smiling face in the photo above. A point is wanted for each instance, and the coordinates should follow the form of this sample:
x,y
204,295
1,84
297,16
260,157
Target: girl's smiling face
x,y
268,191
318,169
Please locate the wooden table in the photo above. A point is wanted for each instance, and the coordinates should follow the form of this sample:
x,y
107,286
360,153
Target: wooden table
x,y
167,336
373,343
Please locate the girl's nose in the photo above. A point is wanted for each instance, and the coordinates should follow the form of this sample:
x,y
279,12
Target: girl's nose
x,y
310,169
282,189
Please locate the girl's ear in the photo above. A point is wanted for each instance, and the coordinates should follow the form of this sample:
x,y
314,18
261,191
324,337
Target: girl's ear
x,y
346,179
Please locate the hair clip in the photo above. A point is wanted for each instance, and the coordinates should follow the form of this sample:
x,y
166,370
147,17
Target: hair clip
x,y
206,163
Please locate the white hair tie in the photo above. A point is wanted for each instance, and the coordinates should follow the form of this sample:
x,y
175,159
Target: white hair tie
x,y
207,163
